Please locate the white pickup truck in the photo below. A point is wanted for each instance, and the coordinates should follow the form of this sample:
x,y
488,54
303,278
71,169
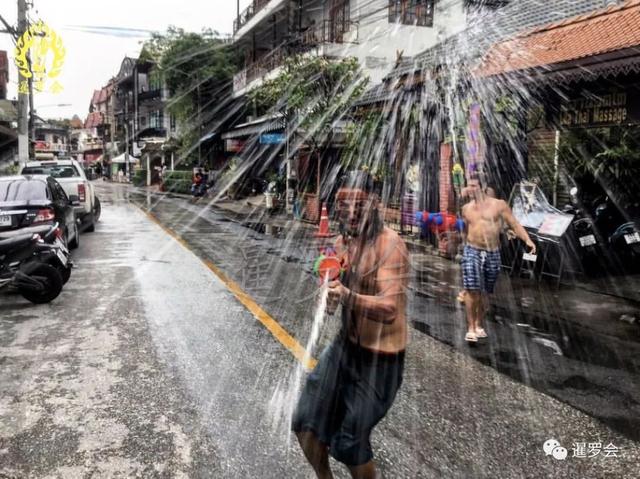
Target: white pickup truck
x,y
73,180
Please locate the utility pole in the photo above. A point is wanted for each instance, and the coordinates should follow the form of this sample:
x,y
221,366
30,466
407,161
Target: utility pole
x,y
126,138
23,100
199,122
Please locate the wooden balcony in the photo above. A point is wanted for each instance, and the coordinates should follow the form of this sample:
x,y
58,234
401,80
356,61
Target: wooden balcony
x,y
327,32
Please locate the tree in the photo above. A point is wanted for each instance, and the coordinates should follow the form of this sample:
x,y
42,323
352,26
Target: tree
x,y
312,94
197,69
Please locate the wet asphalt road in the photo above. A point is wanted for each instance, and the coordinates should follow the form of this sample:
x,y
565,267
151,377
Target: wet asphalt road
x,y
148,366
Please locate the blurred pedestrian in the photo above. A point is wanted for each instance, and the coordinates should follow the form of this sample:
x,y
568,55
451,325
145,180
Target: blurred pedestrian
x,y
466,197
359,373
484,217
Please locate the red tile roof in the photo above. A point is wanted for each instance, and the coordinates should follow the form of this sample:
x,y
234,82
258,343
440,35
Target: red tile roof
x,y
94,119
604,31
102,95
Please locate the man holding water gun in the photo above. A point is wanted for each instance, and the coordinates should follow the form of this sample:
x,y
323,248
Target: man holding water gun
x,y
359,373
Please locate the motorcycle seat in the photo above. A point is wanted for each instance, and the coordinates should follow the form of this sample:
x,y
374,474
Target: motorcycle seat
x,y
38,230
15,242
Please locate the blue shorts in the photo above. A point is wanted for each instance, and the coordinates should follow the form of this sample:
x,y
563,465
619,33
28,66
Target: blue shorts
x,y
346,395
480,269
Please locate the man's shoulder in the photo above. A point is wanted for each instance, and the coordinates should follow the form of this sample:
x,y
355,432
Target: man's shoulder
x,y
391,235
501,204
390,238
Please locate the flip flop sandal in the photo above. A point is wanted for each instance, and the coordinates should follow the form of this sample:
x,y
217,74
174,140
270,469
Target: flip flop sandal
x,y
471,338
481,333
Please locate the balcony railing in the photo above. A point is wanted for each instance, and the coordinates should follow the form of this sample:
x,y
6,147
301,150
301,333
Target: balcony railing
x,y
327,32
150,95
248,14
47,146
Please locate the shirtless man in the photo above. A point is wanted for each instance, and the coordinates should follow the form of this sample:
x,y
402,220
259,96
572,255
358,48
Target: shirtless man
x,y
484,217
358,374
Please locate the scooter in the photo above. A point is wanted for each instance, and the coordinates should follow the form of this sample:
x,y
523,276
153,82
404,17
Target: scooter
x,y
25,266
625,242
589,246
603,234
58,256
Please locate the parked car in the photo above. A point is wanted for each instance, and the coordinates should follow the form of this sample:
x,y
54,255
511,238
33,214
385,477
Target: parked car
x,y
72,178
32,200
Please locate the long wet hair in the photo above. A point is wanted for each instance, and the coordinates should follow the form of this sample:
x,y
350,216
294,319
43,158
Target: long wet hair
x,y
361,180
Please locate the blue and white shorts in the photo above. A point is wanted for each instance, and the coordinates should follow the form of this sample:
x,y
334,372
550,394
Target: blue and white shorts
x,y
480,269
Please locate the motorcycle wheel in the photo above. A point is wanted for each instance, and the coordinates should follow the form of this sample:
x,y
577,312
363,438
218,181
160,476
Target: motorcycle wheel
x,y
53,285
65,274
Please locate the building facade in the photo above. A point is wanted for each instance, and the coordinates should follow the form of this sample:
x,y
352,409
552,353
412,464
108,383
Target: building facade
x,y
143,126
376,32
51,141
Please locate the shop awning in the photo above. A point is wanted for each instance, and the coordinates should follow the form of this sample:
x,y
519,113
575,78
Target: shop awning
x,y
256,127
587,42
121,159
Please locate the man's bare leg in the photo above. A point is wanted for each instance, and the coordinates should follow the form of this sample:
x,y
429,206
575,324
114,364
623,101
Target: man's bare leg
x,y
482,310
316,453
365,471
472,298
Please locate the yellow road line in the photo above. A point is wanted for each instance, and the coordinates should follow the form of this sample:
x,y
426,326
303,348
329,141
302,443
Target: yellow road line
x,y
260,314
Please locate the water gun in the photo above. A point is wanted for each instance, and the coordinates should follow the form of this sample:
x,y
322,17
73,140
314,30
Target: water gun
x,y
329,264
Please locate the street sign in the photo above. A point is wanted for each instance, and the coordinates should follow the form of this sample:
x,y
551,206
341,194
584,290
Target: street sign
x,y
272,138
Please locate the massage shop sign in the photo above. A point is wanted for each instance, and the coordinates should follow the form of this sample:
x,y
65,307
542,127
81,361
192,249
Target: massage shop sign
x,y
39,57
600,110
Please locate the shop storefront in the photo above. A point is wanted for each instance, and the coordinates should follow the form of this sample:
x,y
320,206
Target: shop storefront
x,y
583,127
258,148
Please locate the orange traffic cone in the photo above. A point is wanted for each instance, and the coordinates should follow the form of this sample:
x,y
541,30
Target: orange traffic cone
x,y
323,228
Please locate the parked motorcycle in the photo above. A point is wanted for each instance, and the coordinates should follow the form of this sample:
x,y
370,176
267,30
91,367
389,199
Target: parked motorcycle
x,y
58,256
603,236
625,242
32,266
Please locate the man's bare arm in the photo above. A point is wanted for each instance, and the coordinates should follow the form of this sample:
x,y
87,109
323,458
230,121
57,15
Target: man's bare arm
x,y
518,229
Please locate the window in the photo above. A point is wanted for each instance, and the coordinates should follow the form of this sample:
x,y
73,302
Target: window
x,y
411,12
23,190
339,23
56,171
156,119
59,192
155,81
172,122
